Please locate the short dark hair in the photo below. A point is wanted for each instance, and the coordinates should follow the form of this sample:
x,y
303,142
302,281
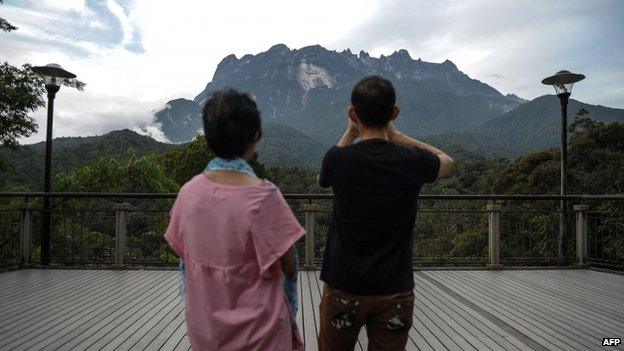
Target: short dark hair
x,y
231,122
373,99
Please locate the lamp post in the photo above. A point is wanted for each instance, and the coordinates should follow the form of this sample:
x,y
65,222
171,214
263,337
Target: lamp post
x,y
53,77
563,81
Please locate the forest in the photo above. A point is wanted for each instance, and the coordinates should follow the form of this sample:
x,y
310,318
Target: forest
x,y
447,232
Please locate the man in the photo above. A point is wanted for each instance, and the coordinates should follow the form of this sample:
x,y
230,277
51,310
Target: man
x,y
367,265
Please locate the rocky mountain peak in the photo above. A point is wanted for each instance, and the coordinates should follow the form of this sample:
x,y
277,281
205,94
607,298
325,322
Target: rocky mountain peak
x,y
309,87
449,64
279,48
402,55
229,59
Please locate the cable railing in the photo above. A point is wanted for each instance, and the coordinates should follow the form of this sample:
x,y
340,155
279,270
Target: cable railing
x,y
126,230
605,238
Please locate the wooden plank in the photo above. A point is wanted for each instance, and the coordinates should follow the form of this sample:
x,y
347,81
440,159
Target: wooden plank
x,y
309,318
64,308
56,299
13,281
49,320
161,338
416,342
486,332
451,324
175,338
315,299
485,315
298,316
89,330
141,319
613,282
418,327
590,316
597,296
535,330
302,326
30,289
580,289
92,308
544,307
184,344
142,340
19,283
113,330
460,336
585,316
521,319
437,328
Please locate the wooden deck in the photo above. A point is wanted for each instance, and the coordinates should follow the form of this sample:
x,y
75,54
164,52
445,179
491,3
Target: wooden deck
x,y
454,310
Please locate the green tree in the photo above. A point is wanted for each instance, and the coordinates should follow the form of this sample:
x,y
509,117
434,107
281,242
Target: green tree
x,y
596,158
132,174
88,234
5,26
21,93
182,163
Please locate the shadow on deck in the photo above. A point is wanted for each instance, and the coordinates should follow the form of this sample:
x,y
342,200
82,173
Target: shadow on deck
x,y
454,310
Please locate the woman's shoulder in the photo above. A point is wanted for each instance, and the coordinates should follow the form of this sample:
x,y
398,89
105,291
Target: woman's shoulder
x,y
260,188
192,184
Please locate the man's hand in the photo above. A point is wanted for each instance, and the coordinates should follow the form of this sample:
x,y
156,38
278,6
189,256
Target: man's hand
x,y
392,132
349,135
352,129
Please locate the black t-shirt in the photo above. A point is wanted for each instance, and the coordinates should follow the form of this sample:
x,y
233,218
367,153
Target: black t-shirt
x,y
376,184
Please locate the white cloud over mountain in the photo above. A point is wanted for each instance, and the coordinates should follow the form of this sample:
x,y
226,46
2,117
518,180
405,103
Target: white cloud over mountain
x,y
135,55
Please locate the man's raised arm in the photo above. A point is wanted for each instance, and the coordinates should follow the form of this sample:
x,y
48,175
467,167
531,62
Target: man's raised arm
x,y
446,162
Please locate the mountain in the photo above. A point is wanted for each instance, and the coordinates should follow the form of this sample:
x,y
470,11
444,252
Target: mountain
x,y
286,146
309,89
536,124
68,153
180,120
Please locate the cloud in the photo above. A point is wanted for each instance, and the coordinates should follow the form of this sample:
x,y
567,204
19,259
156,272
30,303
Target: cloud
x,y
153,130
510,45
135,55
85,114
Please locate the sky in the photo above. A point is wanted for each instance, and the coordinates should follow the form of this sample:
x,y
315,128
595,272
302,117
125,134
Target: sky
x,y
135,55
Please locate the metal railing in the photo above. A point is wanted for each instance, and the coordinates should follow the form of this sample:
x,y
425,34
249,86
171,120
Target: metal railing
x,y
126,230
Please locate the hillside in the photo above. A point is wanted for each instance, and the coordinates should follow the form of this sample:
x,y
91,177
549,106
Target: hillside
x,y
536,125
68,153
286,146
280,145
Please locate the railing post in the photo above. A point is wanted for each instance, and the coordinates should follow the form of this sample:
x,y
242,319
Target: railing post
x,y
121,227
494,236
309,210
25,234
581,234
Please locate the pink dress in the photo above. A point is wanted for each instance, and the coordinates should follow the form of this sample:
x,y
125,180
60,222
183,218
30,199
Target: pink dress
x,y
231,239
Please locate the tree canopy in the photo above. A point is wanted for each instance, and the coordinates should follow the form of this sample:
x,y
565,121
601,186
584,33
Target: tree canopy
x,y
182,163
21,93
596,158
5,26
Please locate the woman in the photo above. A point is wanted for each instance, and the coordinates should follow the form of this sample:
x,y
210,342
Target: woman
x,y
235,234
